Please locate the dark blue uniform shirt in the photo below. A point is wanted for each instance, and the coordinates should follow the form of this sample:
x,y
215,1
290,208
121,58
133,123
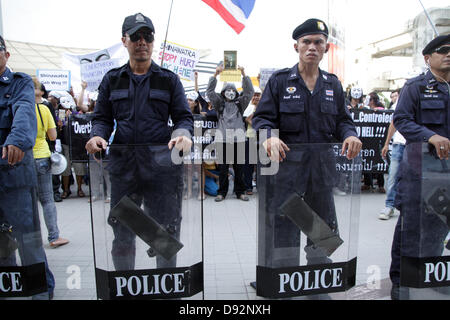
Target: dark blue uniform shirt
x,y
141,106
18,127
301,116
423,109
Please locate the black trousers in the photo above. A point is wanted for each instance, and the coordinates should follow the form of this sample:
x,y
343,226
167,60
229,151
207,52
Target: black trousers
x,y
239,185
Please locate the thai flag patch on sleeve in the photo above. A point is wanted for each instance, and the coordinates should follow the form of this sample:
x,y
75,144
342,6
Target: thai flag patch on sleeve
x,y
329,93
234,12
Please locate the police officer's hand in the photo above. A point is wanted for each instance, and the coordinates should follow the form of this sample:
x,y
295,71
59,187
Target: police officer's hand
x,y
352,145
182,143
276,149
13,153
442,146
96,144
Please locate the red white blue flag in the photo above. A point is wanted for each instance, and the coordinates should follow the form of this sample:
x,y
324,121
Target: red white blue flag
x,y
234,12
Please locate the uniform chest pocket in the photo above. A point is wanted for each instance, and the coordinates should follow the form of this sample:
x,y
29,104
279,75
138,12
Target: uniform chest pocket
x,y
120,103
159,102
329,113
433,111
291,116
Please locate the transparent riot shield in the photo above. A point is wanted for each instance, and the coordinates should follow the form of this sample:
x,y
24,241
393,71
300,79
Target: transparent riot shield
x,y
24,270
425,214
308,217
147,224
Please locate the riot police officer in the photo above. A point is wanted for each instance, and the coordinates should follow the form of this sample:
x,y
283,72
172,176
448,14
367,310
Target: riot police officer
x,y
306,105
422,115
18,202
140,96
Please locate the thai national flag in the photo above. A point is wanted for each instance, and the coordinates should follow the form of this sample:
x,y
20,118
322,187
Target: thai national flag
x,y
234,12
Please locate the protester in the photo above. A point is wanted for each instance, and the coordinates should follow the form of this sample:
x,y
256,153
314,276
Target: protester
x,y
293,103
356,101
394,97
80,99
195,107
398,146
230,106
141,120
67,106
418,120
46,129
374,104
249,169
18,180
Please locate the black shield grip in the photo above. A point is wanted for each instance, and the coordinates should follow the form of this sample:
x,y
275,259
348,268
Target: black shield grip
x,y
150,231
311,224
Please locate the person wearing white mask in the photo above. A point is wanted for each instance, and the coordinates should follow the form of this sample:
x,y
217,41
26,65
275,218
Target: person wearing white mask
x,y
230,133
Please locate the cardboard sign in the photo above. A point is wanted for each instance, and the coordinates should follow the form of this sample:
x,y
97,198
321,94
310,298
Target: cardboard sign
x,y
265,74
179,59
57,80
93,72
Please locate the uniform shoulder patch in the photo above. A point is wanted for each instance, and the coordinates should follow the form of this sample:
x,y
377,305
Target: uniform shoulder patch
x,y
20,75
415,79
285,70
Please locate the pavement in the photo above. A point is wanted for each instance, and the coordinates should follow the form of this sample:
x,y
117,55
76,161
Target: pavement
x,y
229,252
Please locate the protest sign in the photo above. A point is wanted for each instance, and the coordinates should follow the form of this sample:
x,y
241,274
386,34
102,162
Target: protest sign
x,y
179,59
372,127
264,76
72,62
230,76
80,126
230,60
93,72
57,80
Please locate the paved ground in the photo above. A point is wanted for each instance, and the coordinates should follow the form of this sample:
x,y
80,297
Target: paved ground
x,y
230,237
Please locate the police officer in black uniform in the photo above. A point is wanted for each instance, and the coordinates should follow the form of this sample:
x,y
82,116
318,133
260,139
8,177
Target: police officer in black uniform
x,y
422,115
140,96
303,105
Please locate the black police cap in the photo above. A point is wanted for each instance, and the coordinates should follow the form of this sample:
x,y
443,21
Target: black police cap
x,y
310,26
133,23
436,43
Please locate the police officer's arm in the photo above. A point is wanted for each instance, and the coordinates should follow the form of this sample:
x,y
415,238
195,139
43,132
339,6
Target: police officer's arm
x,y
24,125
247,90
103,121
266,118
182,118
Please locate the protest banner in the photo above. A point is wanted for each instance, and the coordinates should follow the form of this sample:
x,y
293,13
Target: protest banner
x,y
80,126
264,76
231,76
74,63
204,131
93,72
372,128
179,59
57,80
